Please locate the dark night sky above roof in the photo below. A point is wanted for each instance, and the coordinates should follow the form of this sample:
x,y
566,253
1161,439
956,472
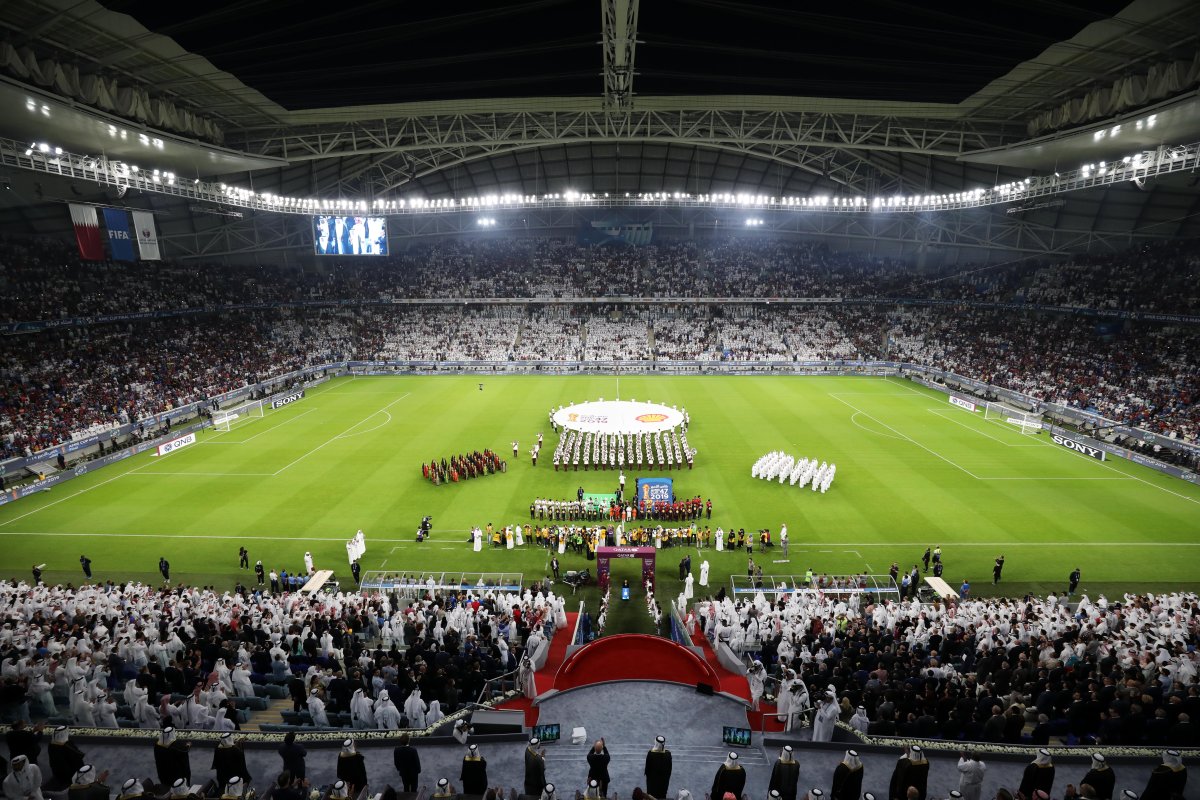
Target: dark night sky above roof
x,y
384,51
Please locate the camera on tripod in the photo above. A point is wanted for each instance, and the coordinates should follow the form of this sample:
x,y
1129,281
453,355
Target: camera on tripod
x,y
424,530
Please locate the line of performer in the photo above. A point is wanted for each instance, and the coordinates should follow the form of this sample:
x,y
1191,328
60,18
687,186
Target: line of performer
x,y
463,467
594,510
584,539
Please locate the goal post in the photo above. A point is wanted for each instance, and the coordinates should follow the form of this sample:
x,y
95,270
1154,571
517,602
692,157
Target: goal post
x,y
225,419
1027,422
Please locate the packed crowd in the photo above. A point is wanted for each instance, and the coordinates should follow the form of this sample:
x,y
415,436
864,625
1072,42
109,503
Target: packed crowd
x,y
82,380
997,670
44,279
1147,376
137,656
86,379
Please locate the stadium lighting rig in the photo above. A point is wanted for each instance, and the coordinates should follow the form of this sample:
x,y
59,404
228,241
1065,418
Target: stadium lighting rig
x,y
1137,168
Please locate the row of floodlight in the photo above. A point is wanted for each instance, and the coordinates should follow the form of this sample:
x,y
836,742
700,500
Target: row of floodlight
x,y
1014,190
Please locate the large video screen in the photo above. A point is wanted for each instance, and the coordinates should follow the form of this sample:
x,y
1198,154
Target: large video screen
x,y
350,236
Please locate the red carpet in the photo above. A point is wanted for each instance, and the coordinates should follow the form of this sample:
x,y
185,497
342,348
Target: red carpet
x,y
543,679
755,718
730,682
522,704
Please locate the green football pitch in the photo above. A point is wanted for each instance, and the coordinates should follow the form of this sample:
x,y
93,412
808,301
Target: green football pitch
x,y
912,471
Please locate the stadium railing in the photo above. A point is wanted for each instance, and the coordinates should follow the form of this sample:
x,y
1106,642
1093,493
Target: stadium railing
x,y
577,633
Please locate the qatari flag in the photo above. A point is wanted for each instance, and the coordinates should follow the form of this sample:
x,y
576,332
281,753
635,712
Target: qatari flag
x,y
87,232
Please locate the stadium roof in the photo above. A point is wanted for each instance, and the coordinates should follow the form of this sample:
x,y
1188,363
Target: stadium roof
x,y
478,97
384,52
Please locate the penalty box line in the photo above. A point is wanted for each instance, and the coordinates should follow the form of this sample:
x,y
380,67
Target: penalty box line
x,y
904,436
340,435
941,412
306,411
1102,464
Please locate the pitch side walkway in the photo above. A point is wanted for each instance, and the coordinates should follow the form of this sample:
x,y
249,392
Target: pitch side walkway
x,y
737,685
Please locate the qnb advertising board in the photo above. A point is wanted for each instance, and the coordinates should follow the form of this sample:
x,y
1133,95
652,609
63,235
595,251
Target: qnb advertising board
x,y
175,444
350,236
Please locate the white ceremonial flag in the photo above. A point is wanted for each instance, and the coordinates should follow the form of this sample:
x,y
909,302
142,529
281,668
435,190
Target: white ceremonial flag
x,y
147,235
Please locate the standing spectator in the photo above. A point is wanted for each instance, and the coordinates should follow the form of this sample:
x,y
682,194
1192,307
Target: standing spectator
x,y
970,780
293,756
22,741
408,763
25,780
598,765
352,768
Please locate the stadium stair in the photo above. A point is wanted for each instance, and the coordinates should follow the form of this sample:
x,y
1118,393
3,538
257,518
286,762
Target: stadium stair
x,y
731,682
271,713
543,679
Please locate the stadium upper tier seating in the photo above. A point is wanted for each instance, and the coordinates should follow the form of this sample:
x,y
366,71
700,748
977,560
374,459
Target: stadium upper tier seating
x,y
45,279
79,378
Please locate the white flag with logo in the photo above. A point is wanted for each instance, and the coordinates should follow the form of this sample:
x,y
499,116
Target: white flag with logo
x,y
147,235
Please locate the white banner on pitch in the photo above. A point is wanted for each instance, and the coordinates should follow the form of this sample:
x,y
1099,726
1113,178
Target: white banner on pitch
x,y
147,235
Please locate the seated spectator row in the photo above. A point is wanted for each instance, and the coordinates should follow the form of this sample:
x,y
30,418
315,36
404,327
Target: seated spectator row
x,y
69,382
44,279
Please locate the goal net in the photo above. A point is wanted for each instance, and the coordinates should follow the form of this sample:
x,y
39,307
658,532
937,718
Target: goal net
x,y
226,418
1026,422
